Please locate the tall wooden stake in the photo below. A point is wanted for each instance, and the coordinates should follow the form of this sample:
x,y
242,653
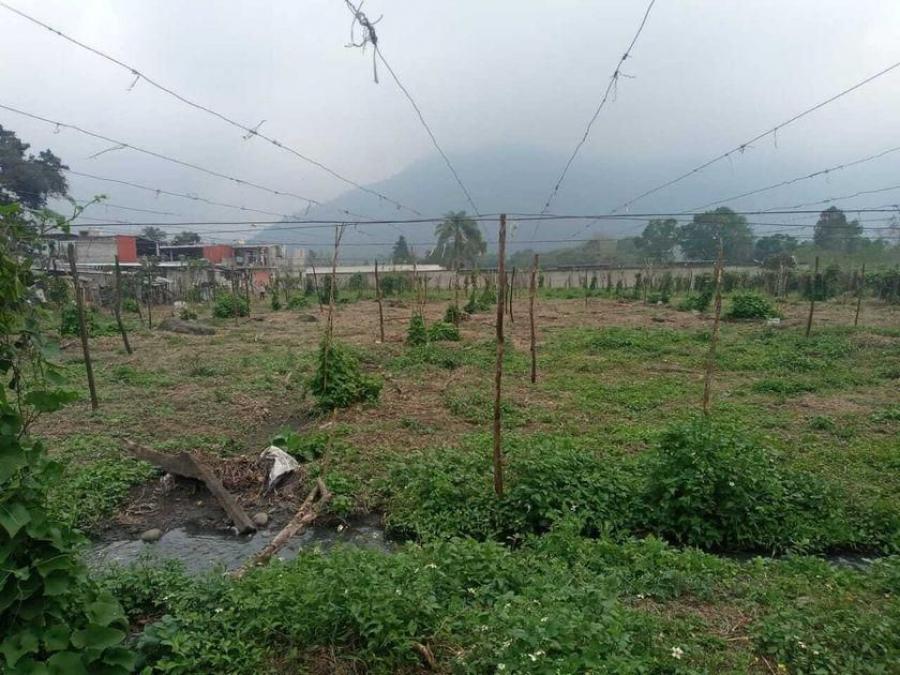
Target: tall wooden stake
x,y
532,290
512,290
117,306
813,285
859,294
83,329
380,308
714,338
316,286
150,299
498,371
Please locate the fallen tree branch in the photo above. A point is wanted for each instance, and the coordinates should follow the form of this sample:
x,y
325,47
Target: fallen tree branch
x,y
426,655
185,464
307,513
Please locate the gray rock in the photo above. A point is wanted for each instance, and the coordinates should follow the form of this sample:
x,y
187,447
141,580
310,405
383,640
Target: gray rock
x,y
261,519
308,318
174,325
151,535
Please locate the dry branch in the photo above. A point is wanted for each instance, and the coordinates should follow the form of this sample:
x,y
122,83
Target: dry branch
x,y
185,464
307,513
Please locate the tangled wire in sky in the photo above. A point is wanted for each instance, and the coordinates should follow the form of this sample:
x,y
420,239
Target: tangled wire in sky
x,y
369,36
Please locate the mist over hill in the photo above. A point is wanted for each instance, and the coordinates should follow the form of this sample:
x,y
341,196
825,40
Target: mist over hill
x,y
518,179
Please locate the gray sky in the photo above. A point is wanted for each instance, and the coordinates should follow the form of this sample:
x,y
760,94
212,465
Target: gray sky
x,y
708,74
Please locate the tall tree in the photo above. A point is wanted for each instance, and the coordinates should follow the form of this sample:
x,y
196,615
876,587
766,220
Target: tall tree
x,y
401,253
834,232
25,178
659,238
699,239
154,234
185,237
459,241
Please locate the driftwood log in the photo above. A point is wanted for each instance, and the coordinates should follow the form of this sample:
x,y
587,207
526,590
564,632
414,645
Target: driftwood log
x,y
309,510
185,464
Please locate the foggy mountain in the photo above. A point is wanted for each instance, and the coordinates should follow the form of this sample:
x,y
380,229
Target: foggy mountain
x,y
517,179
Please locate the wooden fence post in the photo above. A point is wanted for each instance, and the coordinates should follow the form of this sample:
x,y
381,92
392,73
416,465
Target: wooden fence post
x,y
117,305
714,338
812,296
380,308
859,294
83,329
512,287
532,290
498,370
316,286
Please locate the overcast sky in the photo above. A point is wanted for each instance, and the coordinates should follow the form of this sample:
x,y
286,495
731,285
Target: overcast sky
x,y
707,74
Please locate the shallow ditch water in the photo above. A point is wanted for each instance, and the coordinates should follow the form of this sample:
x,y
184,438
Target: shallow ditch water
x,y
202,549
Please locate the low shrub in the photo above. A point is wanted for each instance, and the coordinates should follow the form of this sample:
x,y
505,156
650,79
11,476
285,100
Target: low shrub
x,y
187,314
275,303
750,305
698,302
304,447
443,331
338,381
228,305
298,301
130,305
416,334
708,486
453,314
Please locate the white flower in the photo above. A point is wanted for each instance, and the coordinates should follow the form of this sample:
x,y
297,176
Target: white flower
x,y
501,666
801,644
340,528
677,652
219,610
430,566
545,619
731,483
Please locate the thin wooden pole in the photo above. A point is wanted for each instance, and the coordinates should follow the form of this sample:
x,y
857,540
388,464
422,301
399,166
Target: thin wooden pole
x,y
859,295
812,296
532,290
512,287
380,308
316,286
117,306
714,338
83,329
150,299
498,371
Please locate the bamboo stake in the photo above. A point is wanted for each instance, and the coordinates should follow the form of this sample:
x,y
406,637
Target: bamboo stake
x,y
714,338
380,308
316,286
812,296
859,294
82,328
532,290
117,306
498,371
512,290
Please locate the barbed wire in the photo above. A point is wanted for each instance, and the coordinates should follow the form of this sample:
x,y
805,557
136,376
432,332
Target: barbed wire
x,y
249,132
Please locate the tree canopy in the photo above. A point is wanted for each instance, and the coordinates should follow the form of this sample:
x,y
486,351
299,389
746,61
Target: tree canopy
x,y
774,245
659,238
401,253
154,233
459,241
699,239
833,232
27,178
185,237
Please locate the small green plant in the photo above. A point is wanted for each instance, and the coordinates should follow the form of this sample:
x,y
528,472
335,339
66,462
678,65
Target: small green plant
x,y
304,447
298,301
416,334
442,330
750,305
130,305
453,314
274,302
68,320
338,381
710,487
228,305
696,302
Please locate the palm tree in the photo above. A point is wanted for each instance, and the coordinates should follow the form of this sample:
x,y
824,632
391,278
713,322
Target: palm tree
x,y
459,241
